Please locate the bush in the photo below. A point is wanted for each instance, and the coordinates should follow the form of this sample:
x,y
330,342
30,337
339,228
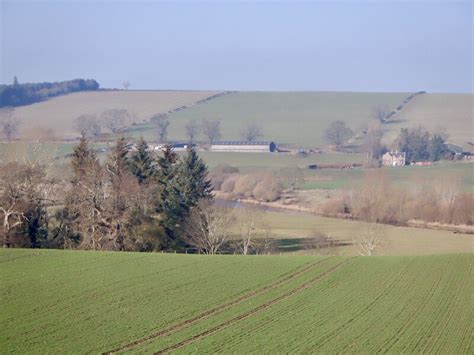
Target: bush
x,y
268,189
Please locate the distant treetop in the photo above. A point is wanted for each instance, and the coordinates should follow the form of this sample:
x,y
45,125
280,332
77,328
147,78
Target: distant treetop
x,y
28,93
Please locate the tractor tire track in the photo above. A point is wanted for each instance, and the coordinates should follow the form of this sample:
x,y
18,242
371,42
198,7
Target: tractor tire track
x,y
218,309
252,312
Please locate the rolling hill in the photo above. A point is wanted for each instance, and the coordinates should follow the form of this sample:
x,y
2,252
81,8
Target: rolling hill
x,y
107,302
59,113
297,118
300,118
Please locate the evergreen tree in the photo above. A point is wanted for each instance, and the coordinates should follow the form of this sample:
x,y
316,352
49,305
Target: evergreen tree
x,y
437,147
193,177
170,203
82,160
142,163
117,168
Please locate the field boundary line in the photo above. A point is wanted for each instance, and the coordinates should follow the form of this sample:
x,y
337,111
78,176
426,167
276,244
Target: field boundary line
x,y
250,313
217,309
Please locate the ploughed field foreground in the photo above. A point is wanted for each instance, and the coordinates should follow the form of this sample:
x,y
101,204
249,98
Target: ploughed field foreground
x,y
75,301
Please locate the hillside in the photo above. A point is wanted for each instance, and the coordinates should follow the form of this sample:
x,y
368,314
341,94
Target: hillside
x,y
453,112
59,113
297,118
75,301
300,118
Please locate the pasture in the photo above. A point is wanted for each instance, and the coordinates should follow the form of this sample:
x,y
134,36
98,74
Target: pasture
x,y
300,118
79,302
290,229
59,113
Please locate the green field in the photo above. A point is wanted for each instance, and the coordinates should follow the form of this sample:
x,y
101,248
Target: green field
x,y
80,302
300,118
290,229
297,118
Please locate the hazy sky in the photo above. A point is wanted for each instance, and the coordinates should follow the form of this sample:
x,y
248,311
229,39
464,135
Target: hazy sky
x,y
242,45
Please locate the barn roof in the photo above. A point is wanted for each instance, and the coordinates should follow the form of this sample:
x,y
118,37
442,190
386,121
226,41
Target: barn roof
x,y
242,143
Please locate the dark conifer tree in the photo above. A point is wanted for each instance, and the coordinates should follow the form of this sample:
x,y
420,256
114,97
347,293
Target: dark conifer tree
x,y
193,179
142,163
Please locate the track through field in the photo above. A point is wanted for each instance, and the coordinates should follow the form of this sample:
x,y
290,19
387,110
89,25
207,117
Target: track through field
x,y
216,310
252,312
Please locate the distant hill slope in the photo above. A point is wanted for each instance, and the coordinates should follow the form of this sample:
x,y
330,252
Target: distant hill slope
x,y
59,113
453,112
301,117
287,117
298,118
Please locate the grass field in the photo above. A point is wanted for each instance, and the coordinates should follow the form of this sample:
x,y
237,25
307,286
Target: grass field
x,y
286,117
454,112
81,302
300,118
290,229
59,113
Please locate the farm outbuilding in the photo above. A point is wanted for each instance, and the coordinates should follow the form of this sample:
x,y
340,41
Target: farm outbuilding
x,y
241,146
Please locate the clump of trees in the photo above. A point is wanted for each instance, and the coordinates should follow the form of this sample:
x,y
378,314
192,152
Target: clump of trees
x,y
261,186
378,200
115,120
132,201
28,93
421,145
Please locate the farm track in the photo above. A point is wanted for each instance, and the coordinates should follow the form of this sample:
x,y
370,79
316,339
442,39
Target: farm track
x,y
254,311
218,309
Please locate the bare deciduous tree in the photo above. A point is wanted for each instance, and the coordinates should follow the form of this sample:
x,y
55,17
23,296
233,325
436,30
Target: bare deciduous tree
x,y
372,142
126,85
338,133
160,120
208,227
116,119
88,126
381,112
368,239
252,132
248,217
192,130
9,124
211,130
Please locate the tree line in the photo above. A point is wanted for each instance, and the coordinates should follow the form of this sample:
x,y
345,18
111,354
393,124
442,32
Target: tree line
x,y
23,94
133,201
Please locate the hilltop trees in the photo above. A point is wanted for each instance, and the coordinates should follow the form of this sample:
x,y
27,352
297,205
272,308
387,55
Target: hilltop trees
x,y
24,94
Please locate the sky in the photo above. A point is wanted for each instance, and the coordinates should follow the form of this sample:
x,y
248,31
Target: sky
x,y
352,45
